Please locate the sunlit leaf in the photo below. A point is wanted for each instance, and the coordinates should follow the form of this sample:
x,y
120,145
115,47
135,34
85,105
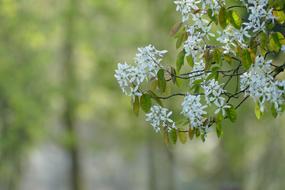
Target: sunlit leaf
x,y
235,19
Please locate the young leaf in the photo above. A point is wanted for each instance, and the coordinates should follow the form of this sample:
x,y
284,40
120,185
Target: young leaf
x,y
175,29
145,102
231,113
235,19
181,38
165,137
180,60
155,97
219,129
136,106
273,111
274,42
280,16
161,80
258,112
173,136
246,59
223,17
190,60
191,133
182,137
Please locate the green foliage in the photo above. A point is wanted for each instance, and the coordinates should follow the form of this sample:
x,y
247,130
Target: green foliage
x,y
145,102
180,60
223,17
136,106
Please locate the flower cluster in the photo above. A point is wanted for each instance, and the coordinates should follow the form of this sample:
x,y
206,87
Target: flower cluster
x,y
160,117
261,86
147,64
148,60
210,35
230,37
186,7
193,110
213,94
259,15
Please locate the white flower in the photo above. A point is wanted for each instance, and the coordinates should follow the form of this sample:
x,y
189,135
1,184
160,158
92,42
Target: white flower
x,y
148,60
230,36
214,5
129,78
212,90
261,86
160,117
198,72
221,106
147,65
213,94
193,110
194,45
185,7
258,15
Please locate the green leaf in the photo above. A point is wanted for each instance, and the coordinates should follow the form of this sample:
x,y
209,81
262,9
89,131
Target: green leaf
x,y
219,129
161,80
212,16
175,29
155,97
180,60
190,61
280,16
246,59
182,137
273,111
173,136
217,56
198,133
231,113
277,4
258,112
165,137
136,106
223,17
274,42
181,38
145,102
208,59
191,133
218,120
235,19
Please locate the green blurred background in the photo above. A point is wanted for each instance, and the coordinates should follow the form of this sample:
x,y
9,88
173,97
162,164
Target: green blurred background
x,y
65,125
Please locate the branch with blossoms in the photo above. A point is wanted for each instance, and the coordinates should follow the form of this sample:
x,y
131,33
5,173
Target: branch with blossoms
x,y
224,58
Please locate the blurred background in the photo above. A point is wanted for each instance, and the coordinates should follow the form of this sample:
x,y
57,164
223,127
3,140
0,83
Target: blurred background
x,y
65,125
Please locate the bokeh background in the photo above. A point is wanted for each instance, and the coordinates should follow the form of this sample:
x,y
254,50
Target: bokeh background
x,y
65,125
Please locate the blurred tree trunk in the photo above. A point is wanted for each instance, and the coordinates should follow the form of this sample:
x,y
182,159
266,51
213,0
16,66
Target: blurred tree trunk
x,y
171,169
152,183
70,98
167,172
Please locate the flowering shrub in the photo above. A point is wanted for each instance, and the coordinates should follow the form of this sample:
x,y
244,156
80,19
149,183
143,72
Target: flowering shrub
x,y
218,45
